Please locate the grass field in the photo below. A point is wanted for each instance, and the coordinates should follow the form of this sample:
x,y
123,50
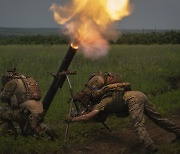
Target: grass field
x,y
154,70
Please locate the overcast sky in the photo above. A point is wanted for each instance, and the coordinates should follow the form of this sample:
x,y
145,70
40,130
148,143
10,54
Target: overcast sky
x,y
148,14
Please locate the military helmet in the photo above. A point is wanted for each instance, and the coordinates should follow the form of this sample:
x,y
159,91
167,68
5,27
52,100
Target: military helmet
x,y
117,78
9,75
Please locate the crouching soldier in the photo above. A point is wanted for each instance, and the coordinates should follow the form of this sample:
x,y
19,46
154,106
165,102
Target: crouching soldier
x,y
23,96
106,93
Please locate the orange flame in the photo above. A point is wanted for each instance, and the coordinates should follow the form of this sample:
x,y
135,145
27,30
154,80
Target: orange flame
x,y
74,46
89,22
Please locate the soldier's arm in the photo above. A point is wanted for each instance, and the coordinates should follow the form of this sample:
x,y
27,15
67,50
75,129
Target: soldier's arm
x,y
84,117
110,87
8,91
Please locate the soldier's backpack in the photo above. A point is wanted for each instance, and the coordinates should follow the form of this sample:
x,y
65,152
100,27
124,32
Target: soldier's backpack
x,y
32,89
117,78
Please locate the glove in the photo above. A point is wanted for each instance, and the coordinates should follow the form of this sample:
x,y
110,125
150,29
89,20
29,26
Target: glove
x,y
68,119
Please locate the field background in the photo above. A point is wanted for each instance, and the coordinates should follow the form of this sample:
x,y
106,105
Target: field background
x,y
152,69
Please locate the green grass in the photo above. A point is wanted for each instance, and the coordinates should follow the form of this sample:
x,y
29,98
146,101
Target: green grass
x,y
146,67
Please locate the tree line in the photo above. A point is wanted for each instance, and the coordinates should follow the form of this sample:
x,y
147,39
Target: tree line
x,y
169,37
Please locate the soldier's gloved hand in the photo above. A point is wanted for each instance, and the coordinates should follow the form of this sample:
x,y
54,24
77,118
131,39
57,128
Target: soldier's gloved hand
x,y
68,119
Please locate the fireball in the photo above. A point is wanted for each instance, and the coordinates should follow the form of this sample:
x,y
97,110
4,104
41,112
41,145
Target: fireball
x,y
89,23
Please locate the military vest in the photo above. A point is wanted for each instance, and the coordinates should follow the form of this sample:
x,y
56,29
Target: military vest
x,y
32,90
96,81
103,78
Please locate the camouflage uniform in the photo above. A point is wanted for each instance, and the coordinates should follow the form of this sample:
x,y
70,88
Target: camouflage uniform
x,y
95,82
138,106
22,108
129,103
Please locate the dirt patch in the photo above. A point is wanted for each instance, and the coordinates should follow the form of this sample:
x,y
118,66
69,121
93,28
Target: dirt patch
x,y
124,140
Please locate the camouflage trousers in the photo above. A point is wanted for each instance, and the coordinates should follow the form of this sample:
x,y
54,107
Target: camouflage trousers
x,y
7,117
10,116
139,105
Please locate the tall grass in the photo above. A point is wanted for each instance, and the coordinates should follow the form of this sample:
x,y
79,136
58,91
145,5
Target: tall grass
x,y
146,67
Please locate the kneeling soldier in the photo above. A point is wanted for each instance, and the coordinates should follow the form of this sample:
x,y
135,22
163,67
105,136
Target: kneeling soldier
x,y
23,96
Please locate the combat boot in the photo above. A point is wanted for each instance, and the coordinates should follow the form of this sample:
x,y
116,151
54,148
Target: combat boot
x,y
151,149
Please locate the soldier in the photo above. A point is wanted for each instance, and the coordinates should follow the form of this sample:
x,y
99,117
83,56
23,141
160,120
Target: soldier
x,y
108,94
23,96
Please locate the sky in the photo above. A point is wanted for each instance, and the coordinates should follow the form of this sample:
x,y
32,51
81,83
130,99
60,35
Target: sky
x,y
147,14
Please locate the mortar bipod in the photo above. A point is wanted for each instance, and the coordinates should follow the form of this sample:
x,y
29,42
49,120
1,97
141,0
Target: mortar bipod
x,y
66,73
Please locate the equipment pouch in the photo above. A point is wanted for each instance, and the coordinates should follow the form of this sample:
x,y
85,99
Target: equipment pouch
x,y
32,89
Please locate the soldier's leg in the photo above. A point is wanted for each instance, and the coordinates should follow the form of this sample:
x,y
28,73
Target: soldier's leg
x,y
33,125
7,127
157,118
136,110
7,116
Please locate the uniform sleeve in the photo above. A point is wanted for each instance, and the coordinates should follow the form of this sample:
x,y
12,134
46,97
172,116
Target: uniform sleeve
x,y
103,104
8,91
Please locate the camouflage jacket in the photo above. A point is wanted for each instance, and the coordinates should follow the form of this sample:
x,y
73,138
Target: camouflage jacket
x,y
14,93
8,93
85,95
97,88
